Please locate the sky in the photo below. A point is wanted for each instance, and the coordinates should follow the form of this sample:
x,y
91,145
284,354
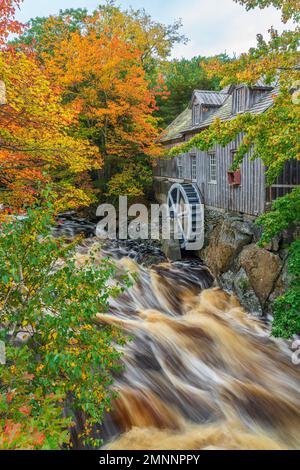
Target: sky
x,y
212,26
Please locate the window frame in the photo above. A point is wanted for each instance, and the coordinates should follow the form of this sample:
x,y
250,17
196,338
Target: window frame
x,y
193,113
196,113
212,155
193,162
180,173
233,152
240,98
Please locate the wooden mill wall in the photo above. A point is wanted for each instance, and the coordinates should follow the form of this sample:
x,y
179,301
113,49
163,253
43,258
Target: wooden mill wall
x,y
248,197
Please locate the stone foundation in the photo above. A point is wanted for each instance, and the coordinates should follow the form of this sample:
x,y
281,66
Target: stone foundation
x,y
255,275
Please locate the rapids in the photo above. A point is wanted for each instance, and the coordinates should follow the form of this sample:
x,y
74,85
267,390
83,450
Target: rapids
x,y
199,373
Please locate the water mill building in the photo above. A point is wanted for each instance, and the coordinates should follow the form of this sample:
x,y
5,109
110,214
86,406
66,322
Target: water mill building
x,y
231,202
244,191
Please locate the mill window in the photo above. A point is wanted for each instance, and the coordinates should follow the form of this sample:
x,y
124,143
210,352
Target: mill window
x,y
212,168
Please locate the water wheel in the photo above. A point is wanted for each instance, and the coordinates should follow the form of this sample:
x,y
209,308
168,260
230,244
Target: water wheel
x,y
186,209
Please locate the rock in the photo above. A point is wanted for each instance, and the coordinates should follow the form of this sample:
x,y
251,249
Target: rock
x,y
212,219
282,283
171,249
225,281
257,233
246,228
274,244
262,269
226,242
69,225
291,234
246,294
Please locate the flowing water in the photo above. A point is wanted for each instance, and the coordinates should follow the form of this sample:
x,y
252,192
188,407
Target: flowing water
x,y
200,373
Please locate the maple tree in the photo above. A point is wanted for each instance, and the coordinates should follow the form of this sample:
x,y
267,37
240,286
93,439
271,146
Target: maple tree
x,y
8,24
35,142
115,58
42,33
180,76
131,179
55,358
36,146
153,39
103,77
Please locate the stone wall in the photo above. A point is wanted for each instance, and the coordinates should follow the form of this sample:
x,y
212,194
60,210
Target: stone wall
x,y
255,275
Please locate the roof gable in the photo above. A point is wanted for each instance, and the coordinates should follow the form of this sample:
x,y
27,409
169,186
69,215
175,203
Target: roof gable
x,y
208,98
174,130
183,123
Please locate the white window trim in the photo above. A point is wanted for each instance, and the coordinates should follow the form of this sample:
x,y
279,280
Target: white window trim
x,y
236,91
196,113
212,181
193,158
180,171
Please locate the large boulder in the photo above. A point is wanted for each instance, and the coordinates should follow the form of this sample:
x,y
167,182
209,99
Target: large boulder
x,y
246,294
262,268
283,282
239,285
212,219
226,242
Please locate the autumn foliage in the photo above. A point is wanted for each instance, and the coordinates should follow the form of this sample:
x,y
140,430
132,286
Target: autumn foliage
x,y
79,101
59,361
36,143
7,22
103,76
66,110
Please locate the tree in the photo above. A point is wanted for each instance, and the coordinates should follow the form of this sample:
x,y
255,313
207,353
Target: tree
x,y
59,359
289,8
131,180
7,22
181,77
154,40
42,33
273,135
111,77
36,146
103,77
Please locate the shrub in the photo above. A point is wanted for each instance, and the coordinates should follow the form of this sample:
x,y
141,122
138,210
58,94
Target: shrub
x,y
284,213
287,307
59,361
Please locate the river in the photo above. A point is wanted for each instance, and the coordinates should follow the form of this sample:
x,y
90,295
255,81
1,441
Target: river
x,y
199,373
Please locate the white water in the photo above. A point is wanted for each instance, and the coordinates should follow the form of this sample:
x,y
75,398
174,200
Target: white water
x,y
200,373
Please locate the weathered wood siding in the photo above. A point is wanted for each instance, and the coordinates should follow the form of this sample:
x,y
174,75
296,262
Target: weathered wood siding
x,y
248,198
286,182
